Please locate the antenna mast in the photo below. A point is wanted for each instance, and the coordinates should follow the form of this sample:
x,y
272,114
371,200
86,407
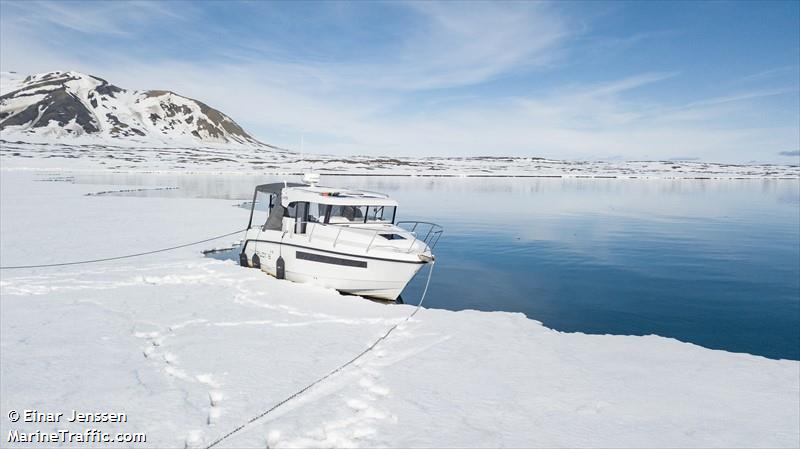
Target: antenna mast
x,y
309,177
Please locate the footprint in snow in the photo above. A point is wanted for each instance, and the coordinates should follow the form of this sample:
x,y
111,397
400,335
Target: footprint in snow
x,y
148,351
175,372
194,440
207,379
213,415
369,385
215,397
380,391
273,438
357,405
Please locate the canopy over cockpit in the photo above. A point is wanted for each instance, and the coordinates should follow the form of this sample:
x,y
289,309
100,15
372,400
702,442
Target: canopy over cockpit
x,y
335,196
276,187
294,192
312,203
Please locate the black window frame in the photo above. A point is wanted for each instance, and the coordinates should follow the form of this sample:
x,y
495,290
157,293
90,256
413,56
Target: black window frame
x,y
301,220
327,217
299,211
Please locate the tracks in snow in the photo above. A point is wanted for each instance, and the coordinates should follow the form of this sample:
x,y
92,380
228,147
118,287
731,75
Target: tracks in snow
x,y
357,398
157,351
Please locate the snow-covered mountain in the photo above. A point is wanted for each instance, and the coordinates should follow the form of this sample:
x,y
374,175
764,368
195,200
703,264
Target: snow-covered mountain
x,y
77,106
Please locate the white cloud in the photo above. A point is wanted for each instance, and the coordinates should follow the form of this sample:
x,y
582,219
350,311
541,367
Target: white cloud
x,y
472,42
350,107
104,18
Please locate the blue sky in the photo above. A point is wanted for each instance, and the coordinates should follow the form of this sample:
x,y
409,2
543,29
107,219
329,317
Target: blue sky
x,y
713,81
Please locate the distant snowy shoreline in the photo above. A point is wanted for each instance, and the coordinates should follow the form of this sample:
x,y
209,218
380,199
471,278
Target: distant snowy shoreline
x,y
227,159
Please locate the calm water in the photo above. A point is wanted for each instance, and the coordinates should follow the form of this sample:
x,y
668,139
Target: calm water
x,y
716,263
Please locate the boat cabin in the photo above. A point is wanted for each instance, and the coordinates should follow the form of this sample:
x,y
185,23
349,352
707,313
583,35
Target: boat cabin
x,y
291,206
338,238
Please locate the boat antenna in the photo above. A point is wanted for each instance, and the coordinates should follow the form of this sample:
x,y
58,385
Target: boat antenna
x,y
309,177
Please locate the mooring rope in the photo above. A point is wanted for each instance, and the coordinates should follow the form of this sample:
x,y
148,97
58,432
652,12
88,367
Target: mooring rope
x,y
290,397
336,370
127,256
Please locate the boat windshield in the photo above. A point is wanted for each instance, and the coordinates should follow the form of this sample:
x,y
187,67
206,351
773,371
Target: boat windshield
x,y
260,208
381,214
360,214
304,212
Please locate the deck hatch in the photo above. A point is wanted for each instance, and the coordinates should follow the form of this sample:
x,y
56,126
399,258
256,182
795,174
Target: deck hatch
x,y
331,260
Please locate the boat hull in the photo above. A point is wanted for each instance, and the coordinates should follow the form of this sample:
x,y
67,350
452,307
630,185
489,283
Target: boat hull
x,y
374,277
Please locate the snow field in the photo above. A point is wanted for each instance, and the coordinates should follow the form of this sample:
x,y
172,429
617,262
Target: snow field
x,y
190,348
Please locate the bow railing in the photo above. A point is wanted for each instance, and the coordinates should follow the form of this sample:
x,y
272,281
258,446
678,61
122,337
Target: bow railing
x,y
434,231
334,232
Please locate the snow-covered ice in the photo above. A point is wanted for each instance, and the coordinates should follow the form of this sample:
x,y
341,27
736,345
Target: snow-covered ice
x,y
190,348
115,154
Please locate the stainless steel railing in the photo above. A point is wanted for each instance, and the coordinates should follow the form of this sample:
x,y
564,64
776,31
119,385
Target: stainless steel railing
x,y
431,237
434,232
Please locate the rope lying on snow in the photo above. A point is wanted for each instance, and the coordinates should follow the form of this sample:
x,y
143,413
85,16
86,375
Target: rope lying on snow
x,y
294,395
127,256
336,370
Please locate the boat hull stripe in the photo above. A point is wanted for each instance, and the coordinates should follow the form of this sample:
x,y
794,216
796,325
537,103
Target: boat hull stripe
x,y
331,260
330,252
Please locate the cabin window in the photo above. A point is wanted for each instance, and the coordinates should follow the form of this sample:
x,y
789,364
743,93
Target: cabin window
x,y
347,214
291,211
260,208
380,214
316,212
276,212
298,211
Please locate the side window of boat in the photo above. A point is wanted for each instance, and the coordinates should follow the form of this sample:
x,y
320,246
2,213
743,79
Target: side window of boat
x,y
383,214
298,211
260,209
347,214
335,215
316,212
291,211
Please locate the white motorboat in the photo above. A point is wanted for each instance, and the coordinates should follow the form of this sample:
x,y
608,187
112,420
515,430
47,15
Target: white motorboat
x,y
343,239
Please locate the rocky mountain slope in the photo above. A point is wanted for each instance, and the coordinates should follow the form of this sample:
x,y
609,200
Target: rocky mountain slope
x,y
77,106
